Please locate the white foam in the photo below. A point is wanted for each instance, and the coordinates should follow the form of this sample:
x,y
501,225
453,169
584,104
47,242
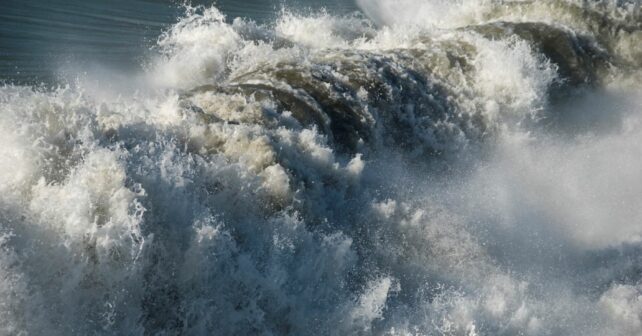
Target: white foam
x,y
179,209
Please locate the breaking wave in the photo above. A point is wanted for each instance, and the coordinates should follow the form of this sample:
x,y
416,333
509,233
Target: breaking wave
x,y
428,168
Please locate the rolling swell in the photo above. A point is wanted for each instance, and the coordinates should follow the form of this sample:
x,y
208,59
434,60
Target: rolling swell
x,y
335,175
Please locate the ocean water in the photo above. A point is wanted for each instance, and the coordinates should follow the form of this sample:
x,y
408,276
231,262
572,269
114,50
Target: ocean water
x,y
49,40
410,167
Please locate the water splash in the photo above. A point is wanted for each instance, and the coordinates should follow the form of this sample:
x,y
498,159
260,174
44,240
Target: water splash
x,y
463,175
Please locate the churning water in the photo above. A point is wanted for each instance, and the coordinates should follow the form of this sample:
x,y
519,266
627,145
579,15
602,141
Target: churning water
x,y
466,167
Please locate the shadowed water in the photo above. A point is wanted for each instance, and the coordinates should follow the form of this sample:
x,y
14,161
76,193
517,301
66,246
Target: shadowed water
x,y
419,167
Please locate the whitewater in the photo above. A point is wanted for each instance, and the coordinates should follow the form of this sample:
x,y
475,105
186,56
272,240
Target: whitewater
x,y
431,167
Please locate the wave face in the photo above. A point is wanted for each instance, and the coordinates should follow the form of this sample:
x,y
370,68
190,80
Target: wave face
x,y
432,168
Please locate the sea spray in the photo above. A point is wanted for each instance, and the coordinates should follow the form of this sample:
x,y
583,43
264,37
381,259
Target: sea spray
x,y
456,174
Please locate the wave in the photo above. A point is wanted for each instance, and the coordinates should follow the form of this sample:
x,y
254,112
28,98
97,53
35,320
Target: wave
x,y
442,171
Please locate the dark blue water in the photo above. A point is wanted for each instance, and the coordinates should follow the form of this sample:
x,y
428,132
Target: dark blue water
x,y
39,39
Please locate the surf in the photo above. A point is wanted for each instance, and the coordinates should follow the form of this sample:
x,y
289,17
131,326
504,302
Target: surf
x,y
457,168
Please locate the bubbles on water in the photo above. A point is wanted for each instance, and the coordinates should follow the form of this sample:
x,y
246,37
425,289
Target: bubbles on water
x,y
324,174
